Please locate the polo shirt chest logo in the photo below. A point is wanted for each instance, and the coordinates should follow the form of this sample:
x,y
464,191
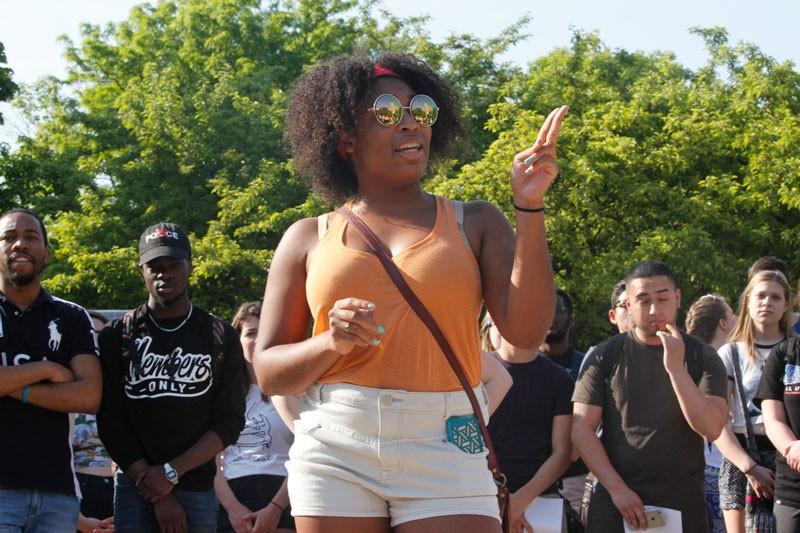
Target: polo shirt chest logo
x,y
55,336
178,373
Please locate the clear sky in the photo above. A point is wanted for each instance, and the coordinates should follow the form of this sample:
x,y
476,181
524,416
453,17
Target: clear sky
x,y
29,28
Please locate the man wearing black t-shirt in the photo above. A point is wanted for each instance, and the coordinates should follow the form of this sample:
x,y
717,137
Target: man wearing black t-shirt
x,y
557,346
48,368
530,428
173,396
656,391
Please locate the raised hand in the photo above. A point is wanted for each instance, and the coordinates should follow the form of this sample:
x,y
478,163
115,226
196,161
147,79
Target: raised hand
x,y
674,349
534,169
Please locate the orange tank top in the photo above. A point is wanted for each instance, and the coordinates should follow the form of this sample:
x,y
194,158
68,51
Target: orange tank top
x,y
441,269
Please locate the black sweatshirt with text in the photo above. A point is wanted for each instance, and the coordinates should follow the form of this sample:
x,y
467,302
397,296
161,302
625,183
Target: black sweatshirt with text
x,y
172,391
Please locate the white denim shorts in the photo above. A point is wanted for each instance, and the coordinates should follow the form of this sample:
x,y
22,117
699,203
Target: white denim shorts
x,y
364,452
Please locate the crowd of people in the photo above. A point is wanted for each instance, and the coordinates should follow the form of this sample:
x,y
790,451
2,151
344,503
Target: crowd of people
x,y
363,394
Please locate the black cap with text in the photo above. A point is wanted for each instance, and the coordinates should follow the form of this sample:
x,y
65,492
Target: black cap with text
x,y
164,239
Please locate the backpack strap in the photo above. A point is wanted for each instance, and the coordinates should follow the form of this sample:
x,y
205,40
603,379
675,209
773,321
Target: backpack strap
x,y
127,325
130,324
458,208
611,351
694,358
217,341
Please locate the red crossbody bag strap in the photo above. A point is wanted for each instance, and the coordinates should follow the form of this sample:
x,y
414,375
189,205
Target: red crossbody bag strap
x,y
384,255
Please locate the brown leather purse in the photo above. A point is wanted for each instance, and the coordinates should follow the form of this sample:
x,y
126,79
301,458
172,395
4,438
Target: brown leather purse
x,y
384,255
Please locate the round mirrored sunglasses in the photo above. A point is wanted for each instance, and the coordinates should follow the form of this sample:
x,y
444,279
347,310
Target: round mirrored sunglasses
x,y
389,110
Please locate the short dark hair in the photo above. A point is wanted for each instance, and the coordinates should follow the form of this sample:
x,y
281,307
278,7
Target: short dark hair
x,y
650,269
326,101
567,300
768,262
31,213
618,289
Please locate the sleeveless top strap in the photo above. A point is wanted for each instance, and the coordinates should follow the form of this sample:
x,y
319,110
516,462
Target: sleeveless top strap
x,y
458,207
322,225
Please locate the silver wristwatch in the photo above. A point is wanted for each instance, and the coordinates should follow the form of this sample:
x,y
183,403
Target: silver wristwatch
x,y
171,473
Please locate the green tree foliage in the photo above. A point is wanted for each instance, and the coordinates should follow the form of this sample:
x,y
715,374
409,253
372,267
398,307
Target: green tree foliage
x,y
177,114
699,169
7,85
46,172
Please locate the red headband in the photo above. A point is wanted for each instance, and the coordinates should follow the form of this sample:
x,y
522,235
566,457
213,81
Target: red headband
x,y
383,71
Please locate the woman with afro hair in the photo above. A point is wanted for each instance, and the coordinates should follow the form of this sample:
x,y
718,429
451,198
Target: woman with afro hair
x,y
371,450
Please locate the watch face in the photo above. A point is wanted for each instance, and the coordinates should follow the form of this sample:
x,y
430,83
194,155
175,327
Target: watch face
x,y
171,474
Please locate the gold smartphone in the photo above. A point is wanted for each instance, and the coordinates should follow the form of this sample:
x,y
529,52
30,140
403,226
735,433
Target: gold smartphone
x,y
654,519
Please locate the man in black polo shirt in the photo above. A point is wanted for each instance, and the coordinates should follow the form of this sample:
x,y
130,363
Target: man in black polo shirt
x,y
173,396
48,368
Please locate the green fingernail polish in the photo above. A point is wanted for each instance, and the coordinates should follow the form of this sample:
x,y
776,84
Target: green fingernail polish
x,y
529,160
381,330
375,342
529,170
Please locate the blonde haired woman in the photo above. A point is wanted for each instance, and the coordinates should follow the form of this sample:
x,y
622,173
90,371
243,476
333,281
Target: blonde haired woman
x,y
763,323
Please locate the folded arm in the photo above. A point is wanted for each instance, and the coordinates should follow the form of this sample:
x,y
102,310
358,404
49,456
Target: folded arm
x,y
15,378
82,395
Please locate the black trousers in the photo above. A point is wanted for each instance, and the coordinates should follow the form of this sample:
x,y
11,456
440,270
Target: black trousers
x,y
97,495
255,492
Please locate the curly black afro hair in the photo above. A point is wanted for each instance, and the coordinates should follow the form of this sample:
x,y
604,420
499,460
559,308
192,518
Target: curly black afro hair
x,y
326,101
